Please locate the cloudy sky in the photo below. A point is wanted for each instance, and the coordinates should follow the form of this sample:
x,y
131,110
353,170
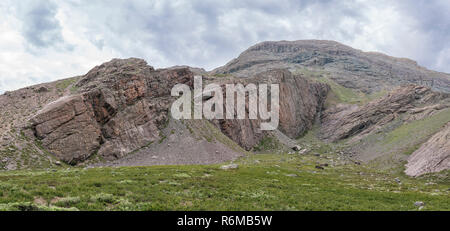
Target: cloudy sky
x,y
44,40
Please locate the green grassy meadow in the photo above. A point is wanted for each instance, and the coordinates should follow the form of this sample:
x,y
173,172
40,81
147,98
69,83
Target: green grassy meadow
x,y
262,182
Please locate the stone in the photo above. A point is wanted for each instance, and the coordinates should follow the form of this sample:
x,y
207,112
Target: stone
x,y
419,203
229,167
292,175
296,148
301,152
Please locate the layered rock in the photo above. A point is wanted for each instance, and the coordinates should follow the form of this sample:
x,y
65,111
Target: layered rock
x,y
301,101
432,156
122,105
119,107
344,121
68,129
351,68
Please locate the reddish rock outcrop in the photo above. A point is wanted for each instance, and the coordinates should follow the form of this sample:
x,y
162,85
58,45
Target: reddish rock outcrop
x,y
301,101
344,121
432,156
67,128
119,107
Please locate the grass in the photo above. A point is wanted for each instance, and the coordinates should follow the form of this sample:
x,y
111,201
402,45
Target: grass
x,y
262,182
339,93
420,129
62,85
268,143
396,141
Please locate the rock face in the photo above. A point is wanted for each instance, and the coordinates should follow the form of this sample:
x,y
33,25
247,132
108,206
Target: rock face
x,y
122,107
351,68
432,156
301,101
344,121
119,107
68,129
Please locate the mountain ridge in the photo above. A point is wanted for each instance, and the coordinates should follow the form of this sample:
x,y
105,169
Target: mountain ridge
x,y
348,65
118,113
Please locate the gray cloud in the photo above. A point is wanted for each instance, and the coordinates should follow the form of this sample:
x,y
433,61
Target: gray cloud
x,y
209,33
432,20
40,27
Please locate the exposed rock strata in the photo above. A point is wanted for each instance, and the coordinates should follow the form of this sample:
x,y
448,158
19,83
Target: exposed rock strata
x,y
301,101
351,68
119,107
432,156
345,121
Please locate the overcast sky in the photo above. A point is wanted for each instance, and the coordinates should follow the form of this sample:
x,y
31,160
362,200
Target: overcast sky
x,y
44,40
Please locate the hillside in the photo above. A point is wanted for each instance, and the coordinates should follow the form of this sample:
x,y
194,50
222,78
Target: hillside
x,y
366,121
364,71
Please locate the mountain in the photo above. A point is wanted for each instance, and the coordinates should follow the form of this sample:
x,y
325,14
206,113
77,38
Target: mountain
x,y
351,68
363,107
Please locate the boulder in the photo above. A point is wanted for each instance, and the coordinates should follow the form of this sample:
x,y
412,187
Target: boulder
x,y
296,148
229,167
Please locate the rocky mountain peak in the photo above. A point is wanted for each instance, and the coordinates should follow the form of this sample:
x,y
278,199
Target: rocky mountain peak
x,y
365,71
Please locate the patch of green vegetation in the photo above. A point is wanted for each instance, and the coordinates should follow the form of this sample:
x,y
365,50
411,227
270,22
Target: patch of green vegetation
x,y
419,129
268,143
67,201
162,139
262,182
62,85
102,198
28,206
392,146
221,75
339,93
73,89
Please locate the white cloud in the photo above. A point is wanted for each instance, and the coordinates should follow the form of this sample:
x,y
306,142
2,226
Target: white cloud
x,y
44,41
